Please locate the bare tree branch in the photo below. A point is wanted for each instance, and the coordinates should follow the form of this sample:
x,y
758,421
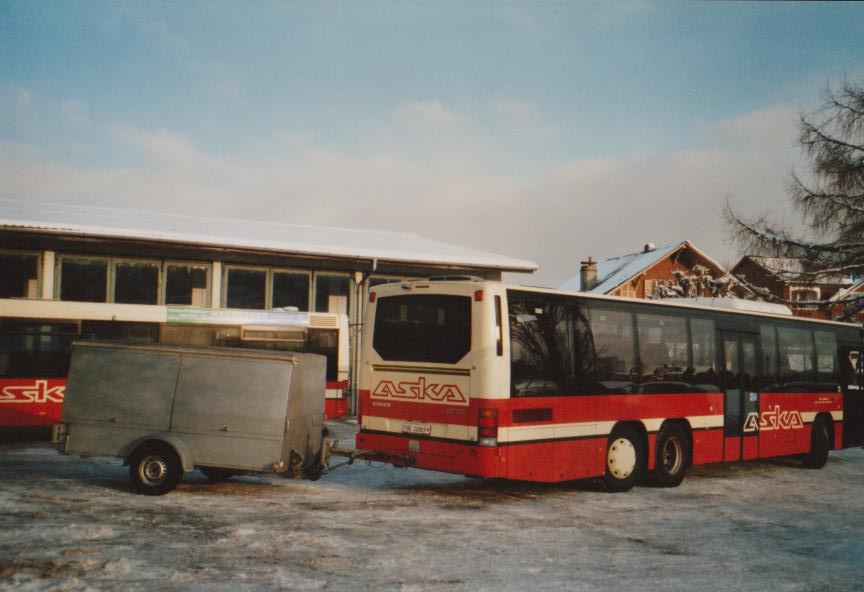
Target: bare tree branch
x,y
831,205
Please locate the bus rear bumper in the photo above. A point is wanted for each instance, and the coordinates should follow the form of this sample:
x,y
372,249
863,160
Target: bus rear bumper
x,y
451,457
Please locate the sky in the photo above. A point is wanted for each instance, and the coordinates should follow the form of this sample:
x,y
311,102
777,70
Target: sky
x,y
548,131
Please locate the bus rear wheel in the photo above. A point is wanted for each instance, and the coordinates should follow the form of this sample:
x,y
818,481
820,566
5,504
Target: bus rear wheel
x,y
820,444
625,459
672,456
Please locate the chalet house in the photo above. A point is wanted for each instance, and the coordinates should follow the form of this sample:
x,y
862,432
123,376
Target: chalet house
x,y
650,273
787,278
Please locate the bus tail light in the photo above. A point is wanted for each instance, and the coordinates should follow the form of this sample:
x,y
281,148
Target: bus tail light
x,y
478,296
372,296
487,427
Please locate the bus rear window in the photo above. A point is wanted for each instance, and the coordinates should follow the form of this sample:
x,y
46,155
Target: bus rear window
x,y
423,328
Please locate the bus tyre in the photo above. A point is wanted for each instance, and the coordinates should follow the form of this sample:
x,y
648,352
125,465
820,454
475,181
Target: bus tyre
x,y
154,469
215,475
672,456
625,459
820,444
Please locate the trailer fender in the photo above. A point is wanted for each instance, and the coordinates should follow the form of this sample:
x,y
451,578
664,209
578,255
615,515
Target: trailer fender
x,y
183,453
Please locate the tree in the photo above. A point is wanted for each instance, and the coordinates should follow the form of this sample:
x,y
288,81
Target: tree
x,y
830,199
693,285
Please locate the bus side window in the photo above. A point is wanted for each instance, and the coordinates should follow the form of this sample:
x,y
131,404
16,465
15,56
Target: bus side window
x,y
35,350
612,350
705,377
540,348
664,351
796,359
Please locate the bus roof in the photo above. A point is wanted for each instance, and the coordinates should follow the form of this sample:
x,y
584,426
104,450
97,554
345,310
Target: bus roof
x,y
721,307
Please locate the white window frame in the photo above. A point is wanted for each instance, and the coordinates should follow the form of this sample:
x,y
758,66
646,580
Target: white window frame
x,y
309,290
314,285
227,268
794,291
206,265
39,263
58,276
112,276
268,282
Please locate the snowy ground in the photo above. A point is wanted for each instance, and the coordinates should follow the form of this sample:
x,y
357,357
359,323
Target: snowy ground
x,y
70,523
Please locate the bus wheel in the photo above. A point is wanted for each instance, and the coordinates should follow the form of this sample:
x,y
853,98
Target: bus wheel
x,y
672,456
215,475
820,443
624,459
154,469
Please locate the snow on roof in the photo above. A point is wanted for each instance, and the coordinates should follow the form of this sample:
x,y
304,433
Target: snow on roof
x,y
790,268
741,304
779,264
858,286
611,273
402,247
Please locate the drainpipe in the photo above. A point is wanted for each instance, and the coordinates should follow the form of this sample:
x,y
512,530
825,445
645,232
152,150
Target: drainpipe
x,y
355,324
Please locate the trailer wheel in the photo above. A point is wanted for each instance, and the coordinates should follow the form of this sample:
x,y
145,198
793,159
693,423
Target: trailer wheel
x,y
625,459
672,456
820,443
154,469
215,475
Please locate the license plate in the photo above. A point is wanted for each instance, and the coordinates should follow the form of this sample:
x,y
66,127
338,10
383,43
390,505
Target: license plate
x,y
416,428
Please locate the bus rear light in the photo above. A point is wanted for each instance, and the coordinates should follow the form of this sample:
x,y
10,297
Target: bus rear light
x,y
478,296
372,296
487,427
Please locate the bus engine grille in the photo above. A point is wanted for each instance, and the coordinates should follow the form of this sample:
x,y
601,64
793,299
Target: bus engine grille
x,y
532,415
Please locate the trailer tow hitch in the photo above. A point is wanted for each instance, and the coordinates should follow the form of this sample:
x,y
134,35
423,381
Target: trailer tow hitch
x,y
333,449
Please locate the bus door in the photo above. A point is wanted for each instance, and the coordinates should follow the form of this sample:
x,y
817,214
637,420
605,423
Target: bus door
x,y
852,385
741,408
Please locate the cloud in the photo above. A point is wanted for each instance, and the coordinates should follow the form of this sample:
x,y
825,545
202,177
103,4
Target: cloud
x,y
161,146
429,169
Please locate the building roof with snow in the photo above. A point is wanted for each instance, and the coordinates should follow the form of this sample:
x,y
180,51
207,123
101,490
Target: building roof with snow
x,y
855,288
277,237
790,270
612,273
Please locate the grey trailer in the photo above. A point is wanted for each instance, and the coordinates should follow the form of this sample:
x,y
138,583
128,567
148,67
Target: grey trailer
x,y
170,410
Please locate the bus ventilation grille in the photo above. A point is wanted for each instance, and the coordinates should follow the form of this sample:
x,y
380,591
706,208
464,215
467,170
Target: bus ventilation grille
x,y
323,322
532,415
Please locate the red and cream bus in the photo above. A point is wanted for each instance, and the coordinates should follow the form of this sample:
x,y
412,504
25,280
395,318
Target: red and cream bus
x,y
36,335
487,380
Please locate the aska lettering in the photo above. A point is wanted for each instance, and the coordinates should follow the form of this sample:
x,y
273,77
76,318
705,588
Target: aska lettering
x,y
773,419
37,391
420,390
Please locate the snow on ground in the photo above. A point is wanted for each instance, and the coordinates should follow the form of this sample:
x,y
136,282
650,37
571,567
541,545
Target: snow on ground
x,y
72,523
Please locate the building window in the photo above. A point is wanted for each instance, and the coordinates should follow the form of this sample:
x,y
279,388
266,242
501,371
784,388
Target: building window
x,y
84,280
290,289
20,273
246,288
136,282
186,284
651,288
331,293
805,295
